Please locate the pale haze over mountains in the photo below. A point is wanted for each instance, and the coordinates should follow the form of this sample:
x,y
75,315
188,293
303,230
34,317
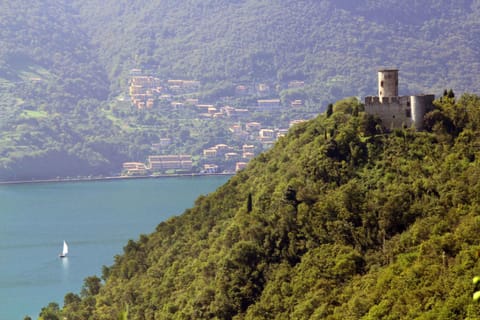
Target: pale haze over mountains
x,y
83,52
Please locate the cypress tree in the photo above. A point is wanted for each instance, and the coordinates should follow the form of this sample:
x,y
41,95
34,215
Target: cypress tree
x,y
249,203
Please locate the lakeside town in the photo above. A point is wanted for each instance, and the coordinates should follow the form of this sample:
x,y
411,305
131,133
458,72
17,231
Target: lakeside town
x,y
247,136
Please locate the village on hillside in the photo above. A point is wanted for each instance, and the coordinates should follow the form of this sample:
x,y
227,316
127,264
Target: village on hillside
x,y
149,93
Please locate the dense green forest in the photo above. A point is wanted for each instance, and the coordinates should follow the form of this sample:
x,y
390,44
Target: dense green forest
x,y
335,46
339,220
63,64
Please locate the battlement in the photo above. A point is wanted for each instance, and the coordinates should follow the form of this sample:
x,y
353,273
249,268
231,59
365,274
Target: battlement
x,y
372,100
403,100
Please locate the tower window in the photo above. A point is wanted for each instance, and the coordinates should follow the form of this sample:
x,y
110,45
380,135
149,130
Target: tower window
x,y
381,83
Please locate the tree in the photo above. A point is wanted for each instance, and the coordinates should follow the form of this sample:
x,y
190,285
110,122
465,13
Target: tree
x,y
249,203
450,94
91,286
50,312
71,298
329,110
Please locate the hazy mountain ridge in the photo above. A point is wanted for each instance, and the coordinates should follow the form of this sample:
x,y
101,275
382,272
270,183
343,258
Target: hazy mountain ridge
x,y
334,45
68,61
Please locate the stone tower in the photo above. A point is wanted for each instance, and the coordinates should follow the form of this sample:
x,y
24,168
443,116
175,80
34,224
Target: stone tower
x,y
387,83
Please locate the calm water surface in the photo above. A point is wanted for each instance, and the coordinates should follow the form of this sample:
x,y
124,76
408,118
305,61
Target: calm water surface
x,y
95,218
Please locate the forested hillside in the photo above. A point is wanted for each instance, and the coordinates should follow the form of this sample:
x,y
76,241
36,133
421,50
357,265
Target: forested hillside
x,y
65,66
51,89
338,221
335,46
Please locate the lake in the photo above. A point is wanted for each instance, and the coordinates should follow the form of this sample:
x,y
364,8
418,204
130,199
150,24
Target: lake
x,y
95,218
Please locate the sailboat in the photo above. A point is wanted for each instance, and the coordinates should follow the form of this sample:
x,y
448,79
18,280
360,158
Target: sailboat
x,y
64,251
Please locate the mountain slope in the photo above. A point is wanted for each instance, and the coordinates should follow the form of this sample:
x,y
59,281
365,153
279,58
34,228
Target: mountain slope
x,y
51,90
337,221
333,45
39,34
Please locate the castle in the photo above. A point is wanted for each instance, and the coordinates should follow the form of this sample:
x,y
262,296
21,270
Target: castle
x,y
397,111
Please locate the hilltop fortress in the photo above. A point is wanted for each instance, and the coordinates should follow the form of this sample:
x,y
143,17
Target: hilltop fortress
x,y
397,111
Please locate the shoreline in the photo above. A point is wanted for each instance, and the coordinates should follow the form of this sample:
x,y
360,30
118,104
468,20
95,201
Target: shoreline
x,y
86,179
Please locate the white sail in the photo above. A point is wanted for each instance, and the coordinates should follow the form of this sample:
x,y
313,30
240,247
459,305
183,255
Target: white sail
x,y
65,248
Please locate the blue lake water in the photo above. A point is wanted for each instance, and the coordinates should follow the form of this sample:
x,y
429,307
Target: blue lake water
x,y
95,218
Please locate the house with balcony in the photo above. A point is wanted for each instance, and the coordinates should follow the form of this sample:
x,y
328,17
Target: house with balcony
x,y
248,155
231,156
134,168
248,151
170,162
266,134
210,153
248,148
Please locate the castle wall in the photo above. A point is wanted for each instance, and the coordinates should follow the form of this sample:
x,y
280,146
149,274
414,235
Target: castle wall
x,y
395,112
